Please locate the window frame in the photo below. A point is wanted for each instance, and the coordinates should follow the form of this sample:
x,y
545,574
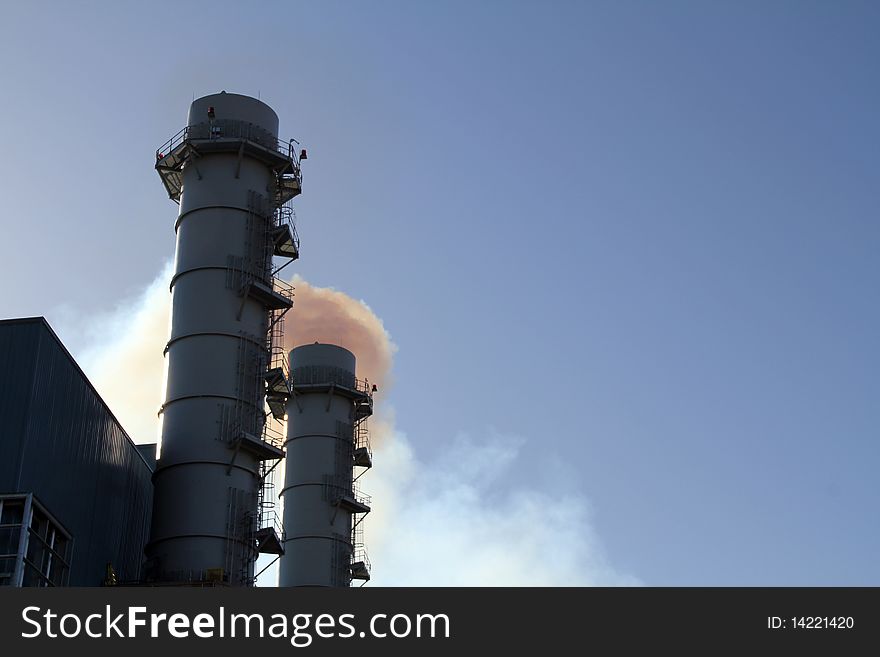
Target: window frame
x,y
45,572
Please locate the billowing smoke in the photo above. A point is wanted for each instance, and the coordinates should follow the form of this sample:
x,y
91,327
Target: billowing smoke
x,y
322,314
454,522
128,369
430,526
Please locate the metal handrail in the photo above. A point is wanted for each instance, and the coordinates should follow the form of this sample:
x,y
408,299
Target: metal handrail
x,y
231,129
360,554
360,496
268,509
364,386
286,215
275,345
283,288
362,436
358,546
273,436
171,144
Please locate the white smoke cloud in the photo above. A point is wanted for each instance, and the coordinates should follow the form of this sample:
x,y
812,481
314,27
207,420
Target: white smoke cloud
x,y
123,357
455,522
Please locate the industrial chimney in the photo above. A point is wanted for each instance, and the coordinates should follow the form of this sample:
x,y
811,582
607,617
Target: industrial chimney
x,y
327,440
213,509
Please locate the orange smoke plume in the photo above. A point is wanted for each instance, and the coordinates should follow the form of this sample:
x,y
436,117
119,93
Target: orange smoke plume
x,y
322,314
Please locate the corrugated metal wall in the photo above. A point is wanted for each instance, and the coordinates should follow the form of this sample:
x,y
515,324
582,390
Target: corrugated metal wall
x,y
60,441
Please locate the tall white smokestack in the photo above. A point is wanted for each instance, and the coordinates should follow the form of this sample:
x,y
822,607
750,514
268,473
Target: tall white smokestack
x,y
326,441
233,180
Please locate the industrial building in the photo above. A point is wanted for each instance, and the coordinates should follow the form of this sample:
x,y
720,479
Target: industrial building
x,y
75,491
203,512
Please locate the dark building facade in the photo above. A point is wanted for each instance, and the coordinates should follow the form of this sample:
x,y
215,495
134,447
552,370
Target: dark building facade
x,y
75,491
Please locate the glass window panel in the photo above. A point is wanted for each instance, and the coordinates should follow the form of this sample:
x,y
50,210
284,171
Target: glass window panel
x,y
40,523
7,570
35,550
57,575
47,559
48,552
32,577
13,512
61,546
9,540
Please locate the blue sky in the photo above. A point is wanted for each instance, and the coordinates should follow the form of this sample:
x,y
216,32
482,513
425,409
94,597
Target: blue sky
x,y
639,237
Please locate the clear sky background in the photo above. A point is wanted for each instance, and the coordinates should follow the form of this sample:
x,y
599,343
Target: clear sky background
x,y
639,239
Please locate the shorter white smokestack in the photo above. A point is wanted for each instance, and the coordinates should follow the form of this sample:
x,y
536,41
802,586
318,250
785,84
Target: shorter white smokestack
x,y
326,440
